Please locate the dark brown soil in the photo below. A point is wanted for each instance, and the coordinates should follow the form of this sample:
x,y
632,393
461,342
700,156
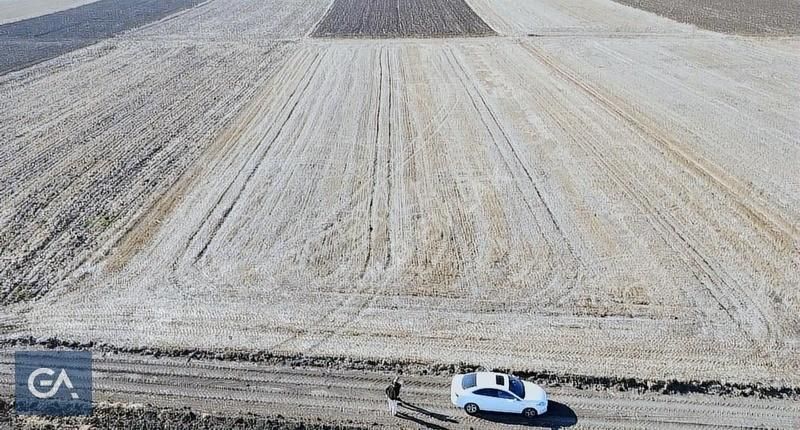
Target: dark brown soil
x,y
150,417
411,18
749,17
34,40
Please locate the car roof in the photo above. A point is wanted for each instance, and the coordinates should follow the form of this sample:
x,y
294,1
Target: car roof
x,y
489,380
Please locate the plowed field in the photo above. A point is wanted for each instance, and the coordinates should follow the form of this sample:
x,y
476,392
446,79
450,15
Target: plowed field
x,y
387,18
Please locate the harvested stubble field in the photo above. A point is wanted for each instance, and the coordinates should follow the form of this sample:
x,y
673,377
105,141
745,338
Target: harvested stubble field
x,y
391,18
91,137
617,197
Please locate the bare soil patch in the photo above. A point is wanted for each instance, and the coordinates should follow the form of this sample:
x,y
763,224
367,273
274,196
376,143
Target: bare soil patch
x,y
766,17
416,18
30,41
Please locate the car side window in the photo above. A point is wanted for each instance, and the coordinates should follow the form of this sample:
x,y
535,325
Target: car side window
x,y
505,395
488,392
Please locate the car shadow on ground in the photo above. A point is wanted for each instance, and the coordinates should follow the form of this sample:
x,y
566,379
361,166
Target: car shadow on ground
x,y
558,416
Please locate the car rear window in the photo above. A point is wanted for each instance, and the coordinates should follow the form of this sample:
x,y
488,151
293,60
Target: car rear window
x,y
468,381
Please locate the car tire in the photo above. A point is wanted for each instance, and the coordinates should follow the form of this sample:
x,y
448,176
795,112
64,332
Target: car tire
x,y
471,408
530,413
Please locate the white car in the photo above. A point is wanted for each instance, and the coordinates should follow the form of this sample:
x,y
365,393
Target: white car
x,y
497,392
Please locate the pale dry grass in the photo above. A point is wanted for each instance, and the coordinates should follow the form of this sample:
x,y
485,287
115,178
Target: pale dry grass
x,y
584,203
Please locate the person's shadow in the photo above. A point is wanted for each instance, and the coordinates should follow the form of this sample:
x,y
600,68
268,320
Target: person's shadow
x,y
423,411
422,423
558,416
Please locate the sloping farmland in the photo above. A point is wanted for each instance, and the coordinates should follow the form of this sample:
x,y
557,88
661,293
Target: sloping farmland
x,y
476,200
94,136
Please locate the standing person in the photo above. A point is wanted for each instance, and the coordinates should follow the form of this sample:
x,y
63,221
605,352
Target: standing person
x,y
393,395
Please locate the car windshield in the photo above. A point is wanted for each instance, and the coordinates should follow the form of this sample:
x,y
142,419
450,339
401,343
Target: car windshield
x,y
468,381
516,386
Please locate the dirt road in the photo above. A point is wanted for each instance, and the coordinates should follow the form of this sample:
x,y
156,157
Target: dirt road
x,y
356,397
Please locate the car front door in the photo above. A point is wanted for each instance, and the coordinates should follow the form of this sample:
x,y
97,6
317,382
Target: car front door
x,y
488,400
508,402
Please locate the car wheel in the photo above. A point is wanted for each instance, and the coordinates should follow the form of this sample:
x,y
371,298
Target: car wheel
x,y
529,413
471,408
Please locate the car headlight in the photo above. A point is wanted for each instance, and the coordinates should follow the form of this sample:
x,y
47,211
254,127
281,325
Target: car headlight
x,y
542,404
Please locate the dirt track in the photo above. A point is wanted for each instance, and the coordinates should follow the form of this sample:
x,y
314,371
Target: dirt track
x,y
356,398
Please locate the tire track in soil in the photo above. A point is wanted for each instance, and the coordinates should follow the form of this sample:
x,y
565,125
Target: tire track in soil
x,y
370,291
639,198
311,73
148,167
459,70
141,230
374,165
712,278
389,170
66,223
767,218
